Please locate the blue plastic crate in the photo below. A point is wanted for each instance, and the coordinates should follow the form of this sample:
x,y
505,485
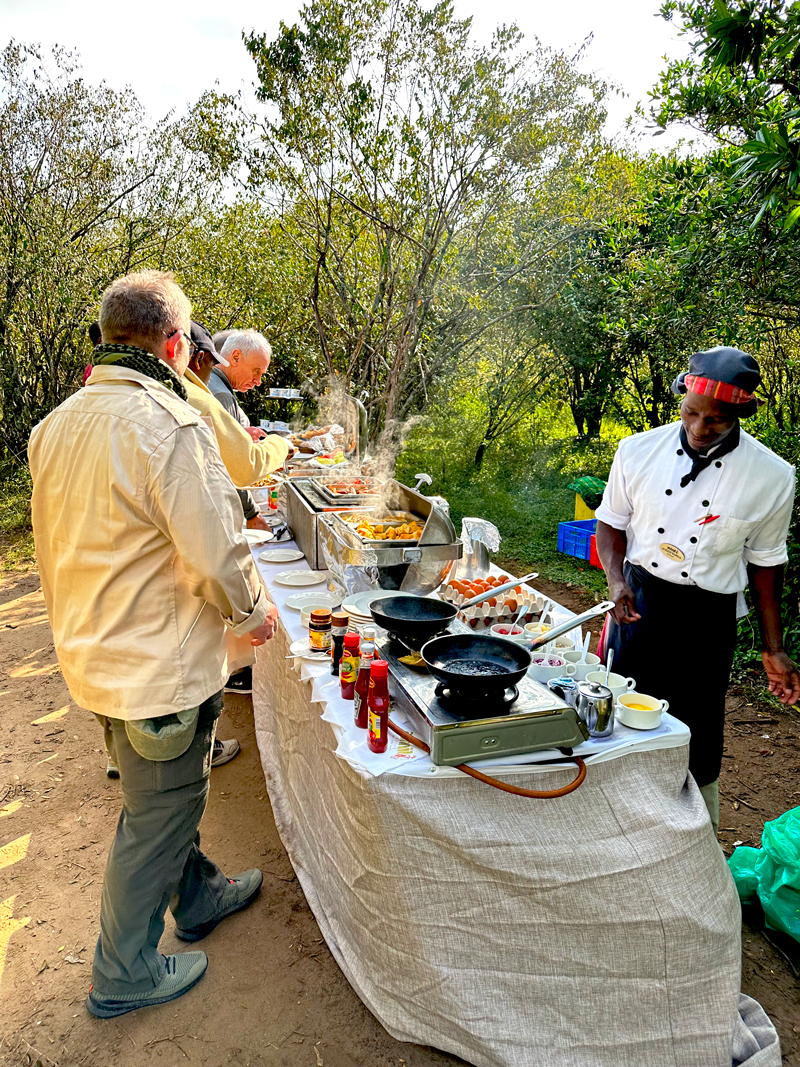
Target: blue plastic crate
x,y
575,538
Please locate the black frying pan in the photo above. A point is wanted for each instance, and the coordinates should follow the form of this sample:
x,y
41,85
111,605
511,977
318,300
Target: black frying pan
x,y
414,619
444,655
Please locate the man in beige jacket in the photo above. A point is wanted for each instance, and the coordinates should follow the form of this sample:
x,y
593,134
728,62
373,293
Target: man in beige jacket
x,y
143,567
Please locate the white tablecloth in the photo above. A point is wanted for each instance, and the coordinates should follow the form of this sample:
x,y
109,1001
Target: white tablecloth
x,y
600,929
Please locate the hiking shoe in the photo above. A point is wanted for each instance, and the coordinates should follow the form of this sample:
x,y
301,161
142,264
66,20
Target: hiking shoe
x,y
182,972
241,682
240,891
112,770
224,751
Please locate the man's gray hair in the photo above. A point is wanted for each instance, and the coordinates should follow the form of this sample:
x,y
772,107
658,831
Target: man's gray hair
x,y
246,341
148,305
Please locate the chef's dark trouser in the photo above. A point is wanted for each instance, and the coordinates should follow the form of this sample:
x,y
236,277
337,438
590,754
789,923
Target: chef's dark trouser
x,y
682,651
155,861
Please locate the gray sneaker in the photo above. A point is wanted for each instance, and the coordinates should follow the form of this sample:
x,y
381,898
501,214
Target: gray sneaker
x,y
182,972
224,751
239,892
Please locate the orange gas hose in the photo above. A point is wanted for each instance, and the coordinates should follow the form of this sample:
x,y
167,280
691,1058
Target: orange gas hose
x,y
536,794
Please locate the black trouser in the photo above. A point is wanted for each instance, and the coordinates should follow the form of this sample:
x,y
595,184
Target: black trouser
x,y
682,651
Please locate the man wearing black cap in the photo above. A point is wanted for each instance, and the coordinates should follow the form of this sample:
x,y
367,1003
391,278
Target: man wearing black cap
x,y
204,359
693,512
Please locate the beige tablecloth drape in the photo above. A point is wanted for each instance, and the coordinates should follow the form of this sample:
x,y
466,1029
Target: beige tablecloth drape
x,y
601,929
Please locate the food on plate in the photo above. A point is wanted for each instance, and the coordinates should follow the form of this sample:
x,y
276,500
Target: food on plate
x,y
330,459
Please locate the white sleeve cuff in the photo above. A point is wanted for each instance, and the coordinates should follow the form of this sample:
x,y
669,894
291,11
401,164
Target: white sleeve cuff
x,y
253,620
611,518
766,557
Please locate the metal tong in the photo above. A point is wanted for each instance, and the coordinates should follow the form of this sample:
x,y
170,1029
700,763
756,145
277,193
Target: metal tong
x,y
570,624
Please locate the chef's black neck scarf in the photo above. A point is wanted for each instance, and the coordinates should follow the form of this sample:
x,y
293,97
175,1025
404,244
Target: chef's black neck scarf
x,y
700,462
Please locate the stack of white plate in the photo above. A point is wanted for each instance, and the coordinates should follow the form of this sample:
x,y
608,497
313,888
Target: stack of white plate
x,y
357,605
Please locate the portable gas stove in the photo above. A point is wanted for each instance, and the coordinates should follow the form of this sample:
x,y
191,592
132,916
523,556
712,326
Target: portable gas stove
x,y
528,717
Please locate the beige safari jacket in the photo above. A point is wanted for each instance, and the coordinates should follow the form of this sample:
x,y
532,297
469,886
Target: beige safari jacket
x,y
246,462
138,539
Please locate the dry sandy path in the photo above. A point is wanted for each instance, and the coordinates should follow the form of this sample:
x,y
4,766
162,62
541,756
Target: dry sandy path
x,y
272,996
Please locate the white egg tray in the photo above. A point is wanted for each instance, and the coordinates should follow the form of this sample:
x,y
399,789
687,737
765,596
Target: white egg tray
x,y
506,607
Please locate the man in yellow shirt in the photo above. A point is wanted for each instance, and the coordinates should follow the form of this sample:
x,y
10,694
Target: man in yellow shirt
x,y
247,462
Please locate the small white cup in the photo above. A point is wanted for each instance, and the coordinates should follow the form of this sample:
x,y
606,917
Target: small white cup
x,y
518,634
536,629
645,717
305,617
559,667
563,644
617,683
582,669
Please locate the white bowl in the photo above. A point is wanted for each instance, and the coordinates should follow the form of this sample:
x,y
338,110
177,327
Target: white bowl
x,y
645,717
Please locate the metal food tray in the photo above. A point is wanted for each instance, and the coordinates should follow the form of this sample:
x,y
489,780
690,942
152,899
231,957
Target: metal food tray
x,y
346,500
343,516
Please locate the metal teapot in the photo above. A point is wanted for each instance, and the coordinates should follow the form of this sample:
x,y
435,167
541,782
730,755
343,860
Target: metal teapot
x,y
594,704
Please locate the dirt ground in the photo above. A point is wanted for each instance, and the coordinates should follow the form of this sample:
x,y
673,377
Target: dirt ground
x,y
272,996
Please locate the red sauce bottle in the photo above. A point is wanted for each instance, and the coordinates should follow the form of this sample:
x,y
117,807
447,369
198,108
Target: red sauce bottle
x,y
360,709
378,735
348,667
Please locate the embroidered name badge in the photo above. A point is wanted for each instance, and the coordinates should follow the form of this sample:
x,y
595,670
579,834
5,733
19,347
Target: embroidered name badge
x,y
672,552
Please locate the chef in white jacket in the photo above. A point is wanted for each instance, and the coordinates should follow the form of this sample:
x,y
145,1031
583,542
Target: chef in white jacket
x,y
692,513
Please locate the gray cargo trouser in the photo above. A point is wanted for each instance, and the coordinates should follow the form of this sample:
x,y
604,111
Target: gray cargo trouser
x,y
155,861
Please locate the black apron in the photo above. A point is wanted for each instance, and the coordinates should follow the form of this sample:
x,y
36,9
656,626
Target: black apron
x,y
681,651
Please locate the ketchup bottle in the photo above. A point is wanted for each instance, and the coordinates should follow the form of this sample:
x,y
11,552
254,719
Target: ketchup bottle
x,y
378,735
361,693
348,667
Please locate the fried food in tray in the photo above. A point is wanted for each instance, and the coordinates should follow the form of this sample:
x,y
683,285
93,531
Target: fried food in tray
x,y
394,528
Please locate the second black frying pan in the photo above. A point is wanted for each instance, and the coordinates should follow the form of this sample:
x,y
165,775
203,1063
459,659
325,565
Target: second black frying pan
x,y
414,619
471,664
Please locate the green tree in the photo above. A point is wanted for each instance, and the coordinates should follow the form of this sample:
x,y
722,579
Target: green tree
x,y
394,151
88,191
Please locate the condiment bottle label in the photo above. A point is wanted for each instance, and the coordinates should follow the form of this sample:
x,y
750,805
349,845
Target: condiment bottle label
x,y
319,639
348,668
374,725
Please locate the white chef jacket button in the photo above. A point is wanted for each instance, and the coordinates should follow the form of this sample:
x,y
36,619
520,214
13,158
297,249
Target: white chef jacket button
x,y
693,540
718,463
661,529
668,492
684,574
680,452
653,564
705,503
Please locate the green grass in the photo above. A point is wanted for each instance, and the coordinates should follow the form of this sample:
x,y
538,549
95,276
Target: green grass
x,y
16,536
527,515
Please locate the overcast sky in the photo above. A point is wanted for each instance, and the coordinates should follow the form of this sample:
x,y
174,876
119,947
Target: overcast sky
x,y
169,51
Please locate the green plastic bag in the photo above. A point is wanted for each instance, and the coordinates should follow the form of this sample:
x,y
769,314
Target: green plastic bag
x,y
773,873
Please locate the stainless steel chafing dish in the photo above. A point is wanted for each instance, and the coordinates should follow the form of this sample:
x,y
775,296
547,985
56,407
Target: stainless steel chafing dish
x,y
414,567
304,505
